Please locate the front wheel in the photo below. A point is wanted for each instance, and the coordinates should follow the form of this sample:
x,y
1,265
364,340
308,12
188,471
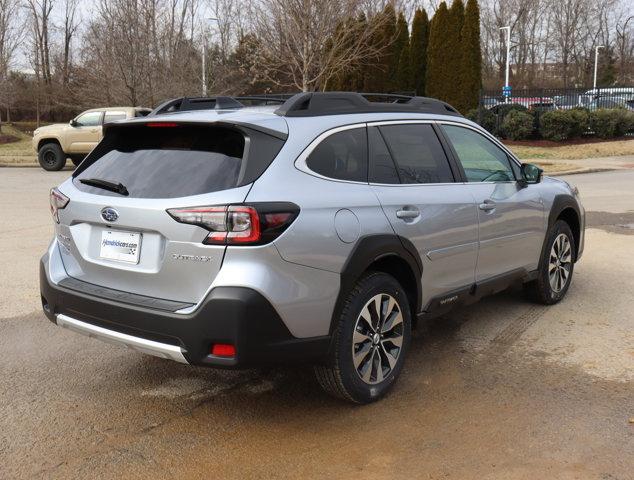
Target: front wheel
x,y
555,267
370,341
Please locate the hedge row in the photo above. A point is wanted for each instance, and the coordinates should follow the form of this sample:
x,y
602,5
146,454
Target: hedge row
x,y
515,122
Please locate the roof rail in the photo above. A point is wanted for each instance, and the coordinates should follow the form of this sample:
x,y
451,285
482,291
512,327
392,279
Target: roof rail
x,y
335,103
311,104
183,104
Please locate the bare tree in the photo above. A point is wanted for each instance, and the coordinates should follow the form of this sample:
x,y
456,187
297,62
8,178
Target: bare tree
x,y
70,26
10,36
302,46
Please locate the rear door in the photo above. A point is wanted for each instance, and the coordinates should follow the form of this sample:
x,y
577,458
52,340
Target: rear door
x,y
86,132
511,216
130,242
416,186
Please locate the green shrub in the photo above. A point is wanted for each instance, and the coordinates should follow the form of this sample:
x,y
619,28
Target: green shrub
x,y
558,125
517,125
610,123
485,118
581,124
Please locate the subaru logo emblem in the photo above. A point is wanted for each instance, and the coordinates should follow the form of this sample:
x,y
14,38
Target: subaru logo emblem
x,y
109,214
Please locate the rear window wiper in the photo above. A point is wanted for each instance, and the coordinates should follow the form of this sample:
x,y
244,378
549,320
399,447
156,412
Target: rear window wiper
x,y
106,185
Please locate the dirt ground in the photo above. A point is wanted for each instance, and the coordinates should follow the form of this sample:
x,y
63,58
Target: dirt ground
x,y
502,390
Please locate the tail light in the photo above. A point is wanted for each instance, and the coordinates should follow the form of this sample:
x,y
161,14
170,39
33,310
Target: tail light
x,y
58,202
253,224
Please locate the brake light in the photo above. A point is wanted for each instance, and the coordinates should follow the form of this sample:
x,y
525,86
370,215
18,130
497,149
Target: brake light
x,y
161,124
58,201
239,224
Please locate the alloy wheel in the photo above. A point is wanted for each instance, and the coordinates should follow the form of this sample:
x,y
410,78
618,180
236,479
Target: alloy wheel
x,y
377,338
559,263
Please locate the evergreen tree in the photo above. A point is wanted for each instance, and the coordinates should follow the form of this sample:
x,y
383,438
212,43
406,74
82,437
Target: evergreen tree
x,y
402,70
454,46
607,69
378,76
471,62
436,75
418,51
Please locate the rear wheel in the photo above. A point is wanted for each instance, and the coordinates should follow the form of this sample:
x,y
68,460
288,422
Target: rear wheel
x,y
77,159
370,341
51,157
555,267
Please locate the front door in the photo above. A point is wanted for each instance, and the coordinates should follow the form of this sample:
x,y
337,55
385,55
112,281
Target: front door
x,y
415,184
85,133
511,216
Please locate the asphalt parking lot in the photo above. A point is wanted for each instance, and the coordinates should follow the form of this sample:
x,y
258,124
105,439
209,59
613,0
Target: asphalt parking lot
x,y
503,389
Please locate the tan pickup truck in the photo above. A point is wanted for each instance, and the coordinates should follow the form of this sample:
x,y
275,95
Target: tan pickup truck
x,y
55,143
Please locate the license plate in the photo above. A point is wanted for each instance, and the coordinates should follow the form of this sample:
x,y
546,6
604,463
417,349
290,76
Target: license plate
x,y
120,246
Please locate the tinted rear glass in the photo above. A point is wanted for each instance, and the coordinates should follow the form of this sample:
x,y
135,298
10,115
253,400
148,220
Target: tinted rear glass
x,y
418,154
169,162
342,155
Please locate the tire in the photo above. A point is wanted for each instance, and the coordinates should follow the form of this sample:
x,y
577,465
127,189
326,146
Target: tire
x,y
77,160
51,157
374,374
555,267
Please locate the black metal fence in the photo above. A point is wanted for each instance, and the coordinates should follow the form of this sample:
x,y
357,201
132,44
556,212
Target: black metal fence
x,y
562,98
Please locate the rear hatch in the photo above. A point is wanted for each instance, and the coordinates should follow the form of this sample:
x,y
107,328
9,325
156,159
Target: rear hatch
x,y
118,232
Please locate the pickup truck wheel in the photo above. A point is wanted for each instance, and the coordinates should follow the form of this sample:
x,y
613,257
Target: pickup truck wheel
x,y
77,159
51,157
369,342
555,267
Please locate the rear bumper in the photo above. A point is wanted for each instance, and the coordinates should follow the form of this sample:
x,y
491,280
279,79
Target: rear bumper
x,y
234,315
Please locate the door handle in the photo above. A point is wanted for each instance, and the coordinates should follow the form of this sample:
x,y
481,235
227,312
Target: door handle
x,y
407,214
487,205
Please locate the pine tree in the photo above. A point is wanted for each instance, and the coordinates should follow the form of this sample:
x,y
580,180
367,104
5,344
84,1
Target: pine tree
x,y
401,73
378,76
436,75
453,59
470,81
418,51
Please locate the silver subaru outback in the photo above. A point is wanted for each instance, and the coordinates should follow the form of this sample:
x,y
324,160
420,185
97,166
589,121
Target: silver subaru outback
x,y
229,232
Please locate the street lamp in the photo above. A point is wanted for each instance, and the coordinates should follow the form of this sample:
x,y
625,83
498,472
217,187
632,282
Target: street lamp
x,y
507,91
212,19
596,61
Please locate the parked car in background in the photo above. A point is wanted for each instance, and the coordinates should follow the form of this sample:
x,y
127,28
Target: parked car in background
x,y
490,102
610,102
535,103
75,139
568,102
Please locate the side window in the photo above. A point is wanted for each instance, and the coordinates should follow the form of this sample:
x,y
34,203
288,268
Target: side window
x,y
89,119
114,116
481,159
342,156
382,168
418,154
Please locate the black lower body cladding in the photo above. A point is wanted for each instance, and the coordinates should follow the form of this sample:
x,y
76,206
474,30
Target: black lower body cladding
x,y
228,315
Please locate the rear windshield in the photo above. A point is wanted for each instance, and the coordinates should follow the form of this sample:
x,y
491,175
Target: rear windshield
x,y
178,161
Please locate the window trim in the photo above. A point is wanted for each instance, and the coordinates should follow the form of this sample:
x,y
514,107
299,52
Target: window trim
x,y
300,161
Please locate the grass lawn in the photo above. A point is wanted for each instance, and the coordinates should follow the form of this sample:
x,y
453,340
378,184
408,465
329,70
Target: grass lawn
x,y
16,152
573,151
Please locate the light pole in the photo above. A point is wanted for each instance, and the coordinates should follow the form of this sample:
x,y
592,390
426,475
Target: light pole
x,y
508,61
596,62
204,57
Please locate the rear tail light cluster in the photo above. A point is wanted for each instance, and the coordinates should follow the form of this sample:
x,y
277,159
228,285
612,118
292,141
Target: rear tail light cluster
x,y
58,202
254,224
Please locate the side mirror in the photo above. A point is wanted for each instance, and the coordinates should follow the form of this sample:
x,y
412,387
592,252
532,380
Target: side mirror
x,y
531,174
73,123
